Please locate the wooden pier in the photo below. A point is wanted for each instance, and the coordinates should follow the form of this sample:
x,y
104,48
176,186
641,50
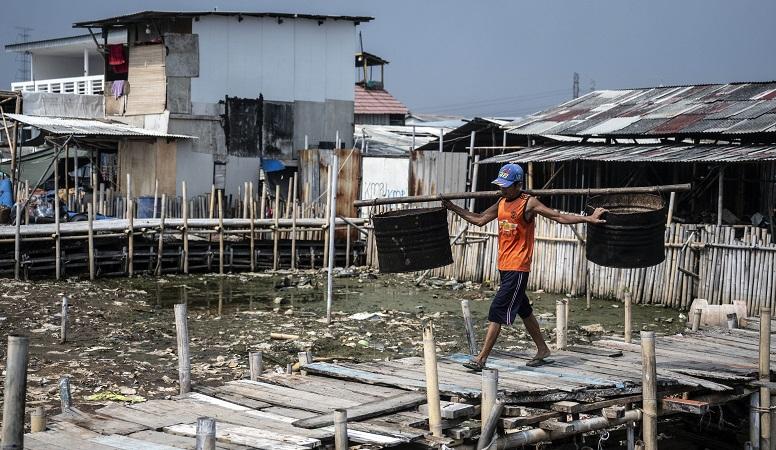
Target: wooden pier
x,y
585,388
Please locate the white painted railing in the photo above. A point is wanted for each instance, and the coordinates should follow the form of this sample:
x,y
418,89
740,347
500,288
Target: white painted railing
x,y
93,84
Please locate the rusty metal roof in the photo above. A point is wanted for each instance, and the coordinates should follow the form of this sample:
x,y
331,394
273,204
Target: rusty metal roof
x,y
145,16
62,126
733,109
376,101
639,153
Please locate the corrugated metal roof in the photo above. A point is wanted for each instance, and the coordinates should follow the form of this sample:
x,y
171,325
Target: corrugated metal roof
x,y
377,101
720,109
63,126
114,37
143,16
639,153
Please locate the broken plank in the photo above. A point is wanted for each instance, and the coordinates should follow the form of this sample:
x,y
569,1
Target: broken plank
x,y
589,350
127,443
147,419
684,405
99,424
367,410
175,440
229,397
451,410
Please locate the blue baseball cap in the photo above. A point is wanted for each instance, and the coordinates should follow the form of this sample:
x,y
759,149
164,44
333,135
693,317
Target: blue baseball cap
x,y
508,175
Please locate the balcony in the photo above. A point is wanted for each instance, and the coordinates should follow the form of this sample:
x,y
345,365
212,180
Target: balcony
x,y
93,84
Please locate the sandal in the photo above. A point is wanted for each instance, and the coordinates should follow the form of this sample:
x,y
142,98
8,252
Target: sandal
x,y
474,365
536,362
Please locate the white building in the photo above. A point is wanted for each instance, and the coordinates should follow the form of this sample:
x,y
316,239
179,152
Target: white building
x,y
249,86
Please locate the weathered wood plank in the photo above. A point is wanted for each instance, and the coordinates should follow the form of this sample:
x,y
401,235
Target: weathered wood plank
x,y
368,410
251,437
685,405
175,440
99,424
127,443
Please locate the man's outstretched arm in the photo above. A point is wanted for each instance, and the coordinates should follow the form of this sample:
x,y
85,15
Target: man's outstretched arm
x,y
537,207
478,219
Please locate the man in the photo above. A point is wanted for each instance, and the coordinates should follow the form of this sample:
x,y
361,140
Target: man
x,y
515,212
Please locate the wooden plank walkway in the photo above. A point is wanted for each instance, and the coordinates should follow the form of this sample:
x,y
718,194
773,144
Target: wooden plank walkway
x,y
386,402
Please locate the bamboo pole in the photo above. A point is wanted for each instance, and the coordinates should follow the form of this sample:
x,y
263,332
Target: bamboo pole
x,y
765,376
471,337
256,365
17,243
211,209
38,420
326,216
245,203
649,390
560,333
90,214
293,226
489,394
15,392
332,224
489,425
220,232
535,192
341,429
263,204
57,243
628,317
206,434
185,228
276,229
160,242
184,363
129,195
432,381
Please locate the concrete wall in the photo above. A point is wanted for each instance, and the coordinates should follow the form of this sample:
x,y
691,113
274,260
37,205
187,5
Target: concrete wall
x,y
295,60
48,67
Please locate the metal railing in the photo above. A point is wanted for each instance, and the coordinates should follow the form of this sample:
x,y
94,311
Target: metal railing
x,y
93,84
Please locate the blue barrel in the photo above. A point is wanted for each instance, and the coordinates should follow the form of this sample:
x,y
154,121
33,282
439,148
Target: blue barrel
x,y
6,193
145,207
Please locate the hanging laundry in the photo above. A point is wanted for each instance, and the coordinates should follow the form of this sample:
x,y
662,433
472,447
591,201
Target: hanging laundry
x,y
116,55
118,88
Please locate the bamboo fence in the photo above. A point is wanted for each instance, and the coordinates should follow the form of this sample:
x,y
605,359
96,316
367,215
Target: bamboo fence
x,y
718,263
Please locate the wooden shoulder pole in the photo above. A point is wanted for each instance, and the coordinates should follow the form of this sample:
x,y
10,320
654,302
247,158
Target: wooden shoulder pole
x,y
15,393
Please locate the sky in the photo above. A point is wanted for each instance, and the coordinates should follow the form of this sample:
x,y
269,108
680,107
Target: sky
x,y
495,57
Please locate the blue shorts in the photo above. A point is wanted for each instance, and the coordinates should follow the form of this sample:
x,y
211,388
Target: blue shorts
x,y
510,300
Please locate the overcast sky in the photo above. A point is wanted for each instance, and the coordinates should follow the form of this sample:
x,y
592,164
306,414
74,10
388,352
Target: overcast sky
x,y
496,58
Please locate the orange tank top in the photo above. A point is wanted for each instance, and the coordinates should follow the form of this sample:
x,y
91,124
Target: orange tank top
x,y
515,235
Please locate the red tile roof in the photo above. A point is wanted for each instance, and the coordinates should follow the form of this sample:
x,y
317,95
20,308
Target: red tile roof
x,y
377,101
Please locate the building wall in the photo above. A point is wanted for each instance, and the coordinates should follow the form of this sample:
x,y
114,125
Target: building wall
x,y
47,67
295,60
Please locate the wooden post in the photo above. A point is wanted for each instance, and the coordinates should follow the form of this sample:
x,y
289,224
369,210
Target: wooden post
x,y
293,226
17,242
341,429
671,203
57,249
432,381
101,201
696,319
130,241
560,328
65,398
256,365
628,318
765,375
649,390
221,232
212,201
185,228
184,363
471,337
489,395
63,322
332,221
263,203
276,229
206,434
128,196
720,192
160,250
14,395
90,215
246,200
253,235
288,197
304,359
38,420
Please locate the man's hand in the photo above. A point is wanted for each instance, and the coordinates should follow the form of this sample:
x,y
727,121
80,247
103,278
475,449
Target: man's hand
x,y
447,203
596,216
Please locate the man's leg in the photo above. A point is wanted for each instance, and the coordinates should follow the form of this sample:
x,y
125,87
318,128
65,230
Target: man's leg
x,y
532,325
490,340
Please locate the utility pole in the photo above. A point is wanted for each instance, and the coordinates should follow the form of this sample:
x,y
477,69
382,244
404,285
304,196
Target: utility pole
x,y
575,86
